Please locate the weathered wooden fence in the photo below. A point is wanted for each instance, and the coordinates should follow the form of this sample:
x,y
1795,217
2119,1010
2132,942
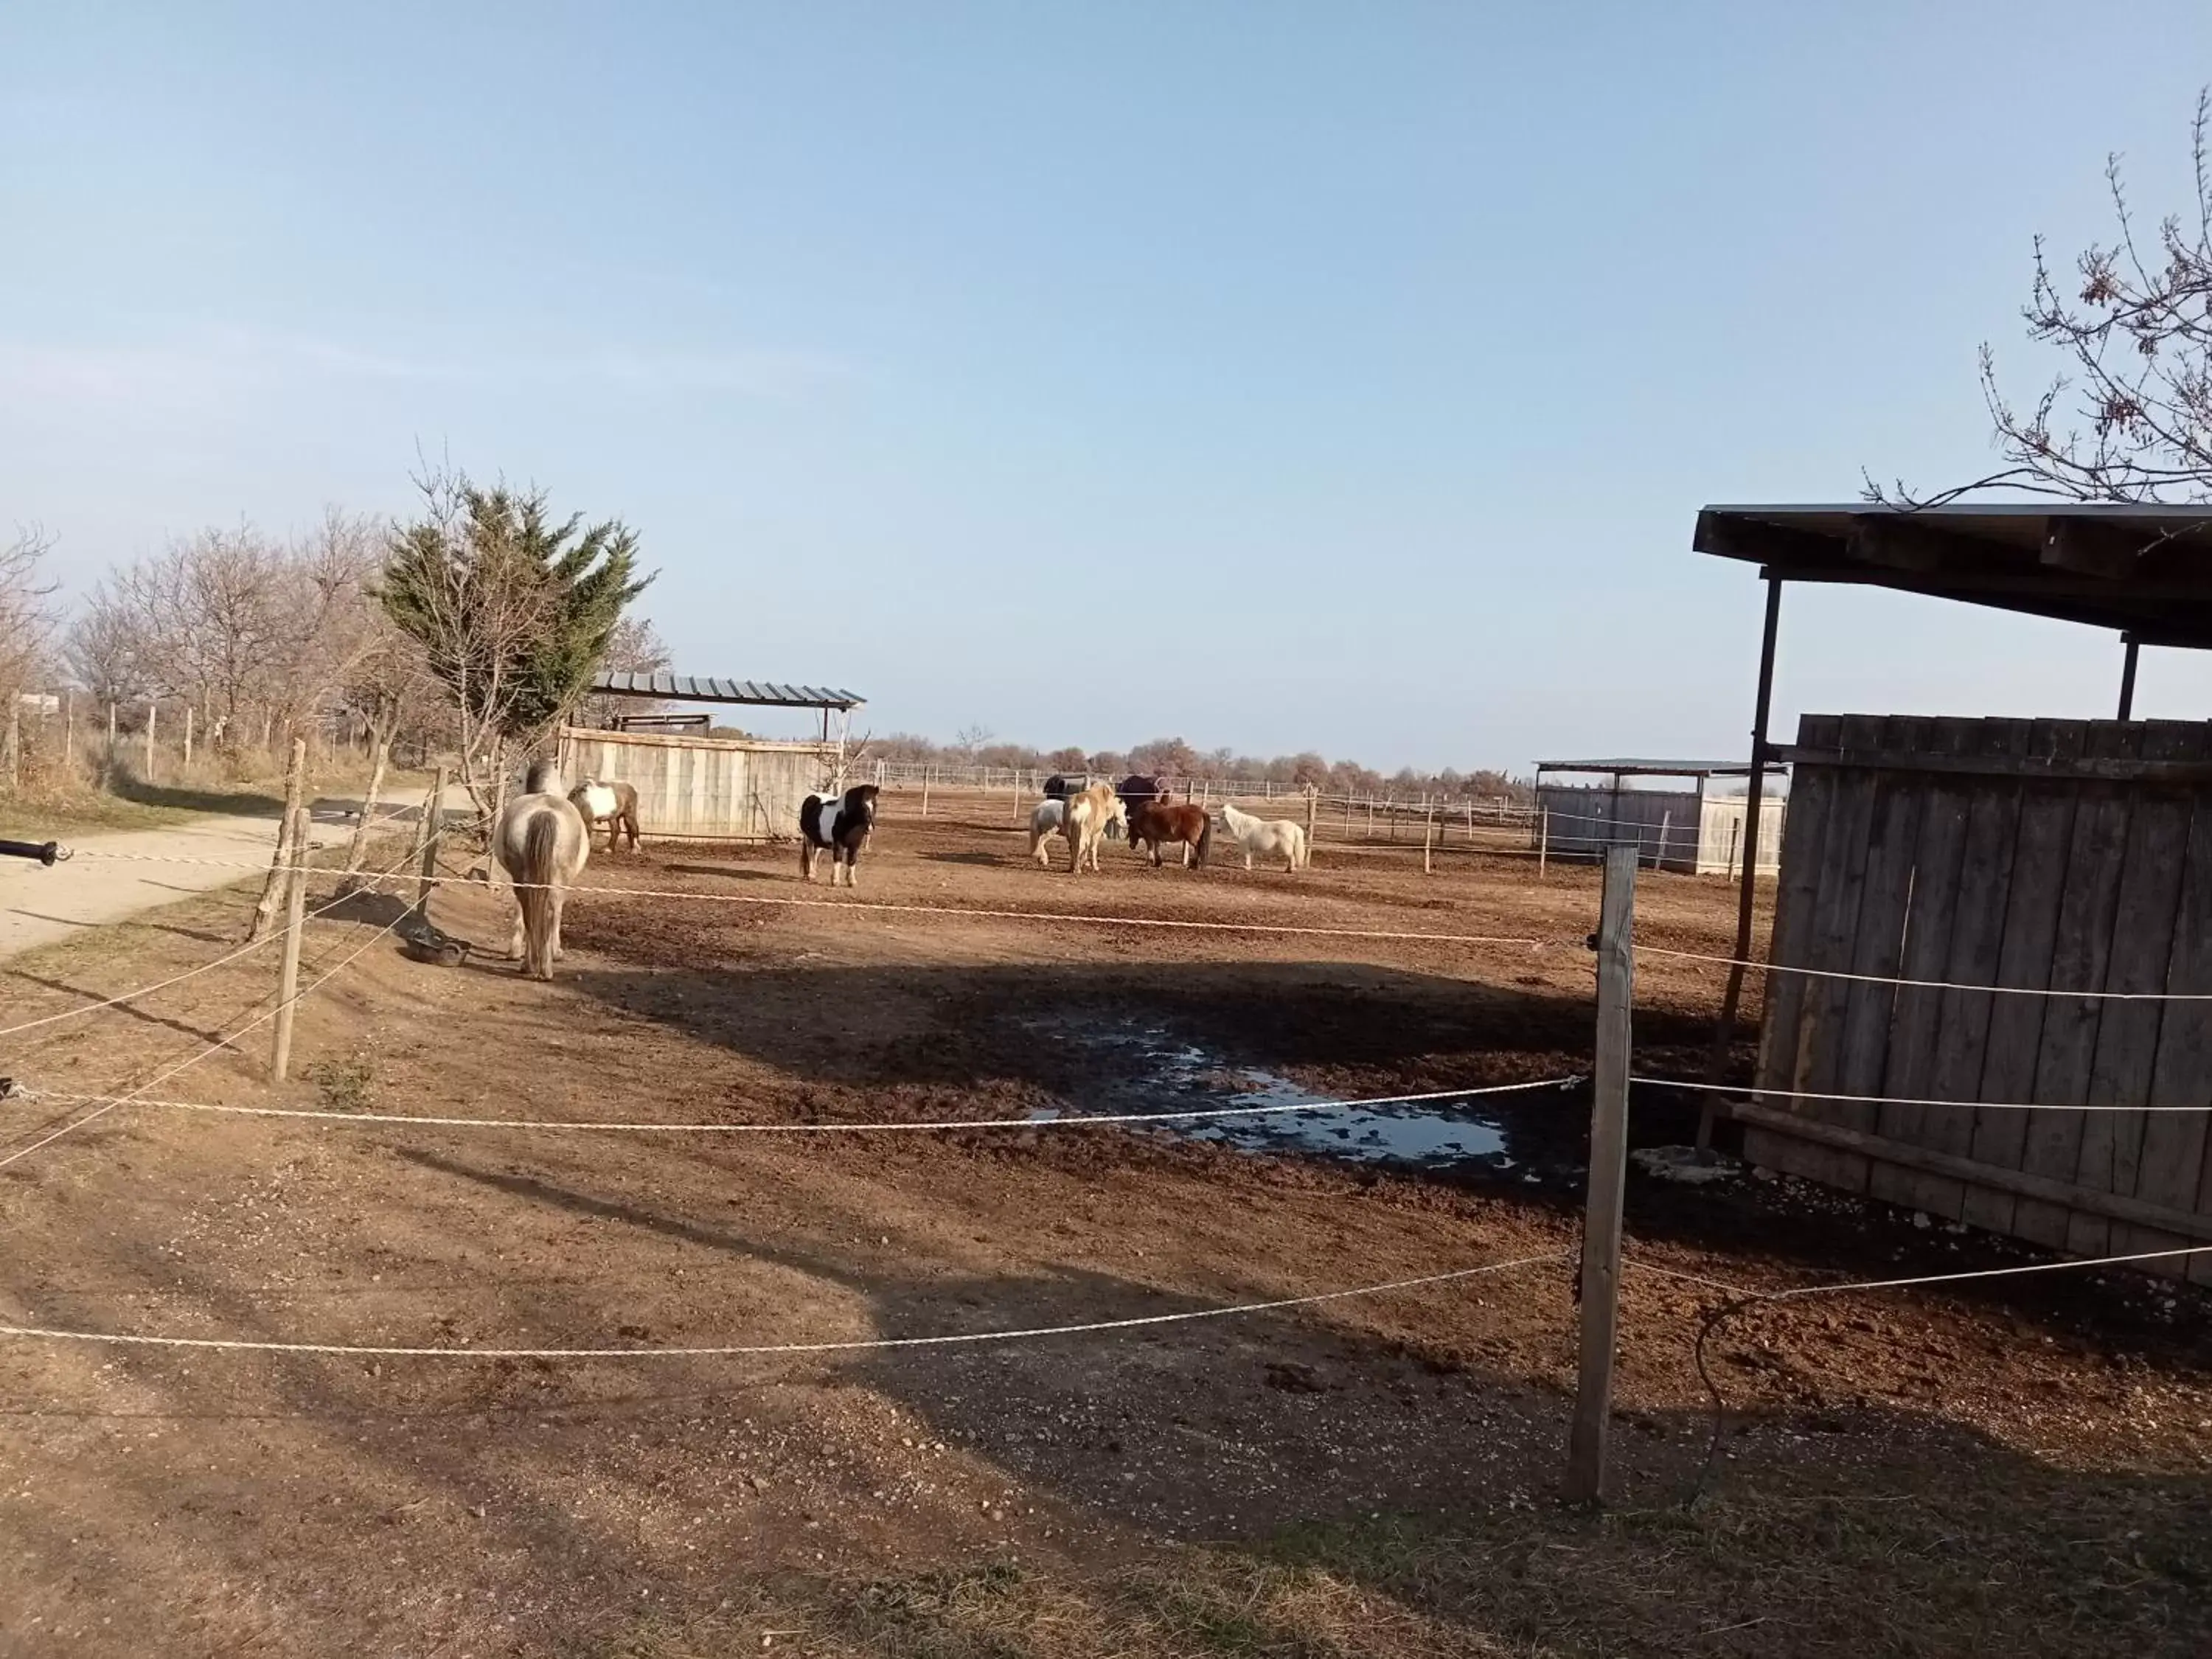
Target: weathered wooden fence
x,y
2052,855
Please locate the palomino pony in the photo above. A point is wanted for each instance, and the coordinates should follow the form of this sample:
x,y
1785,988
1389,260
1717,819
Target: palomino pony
x,y
842,824
1269,838
614,804
1161,821
541,842
1091,816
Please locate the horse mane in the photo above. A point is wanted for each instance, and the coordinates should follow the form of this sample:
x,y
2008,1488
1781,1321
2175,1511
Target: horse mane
x,y
544,777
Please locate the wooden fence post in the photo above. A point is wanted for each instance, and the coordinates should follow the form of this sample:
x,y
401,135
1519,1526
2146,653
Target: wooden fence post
x,y
925,791
1014,793
426,843
111,732
1543,839
152,709
1470,820
14,740
1666,824
287,977
1428,839
68,729
1313,807
188,736
1609,1176
288,854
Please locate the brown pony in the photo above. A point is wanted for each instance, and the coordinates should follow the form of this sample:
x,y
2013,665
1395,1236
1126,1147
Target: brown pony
x,y
1160,823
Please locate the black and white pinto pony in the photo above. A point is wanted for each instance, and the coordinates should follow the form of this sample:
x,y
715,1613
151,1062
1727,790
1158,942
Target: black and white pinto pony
x,y
1267,838
841,825
541,842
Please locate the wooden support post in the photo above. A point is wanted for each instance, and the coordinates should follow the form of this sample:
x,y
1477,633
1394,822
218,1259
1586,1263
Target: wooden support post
x,y
1428,840
152,709
1470,820
1666,823
925,791
287,977
14,740
68,729
1608,1177
426,843
2128,676
111,732
288,853
188,736
1014,792
1543,839
1748,892
1312,808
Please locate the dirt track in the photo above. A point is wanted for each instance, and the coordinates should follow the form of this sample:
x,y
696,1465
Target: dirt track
x,y
247,1502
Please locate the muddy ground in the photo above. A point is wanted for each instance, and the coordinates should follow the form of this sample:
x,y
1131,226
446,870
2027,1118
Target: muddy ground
x,y
2016,1467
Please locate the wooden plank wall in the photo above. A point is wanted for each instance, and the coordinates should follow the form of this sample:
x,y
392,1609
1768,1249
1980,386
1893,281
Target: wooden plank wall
x,y
702,788
1585,822
2067,854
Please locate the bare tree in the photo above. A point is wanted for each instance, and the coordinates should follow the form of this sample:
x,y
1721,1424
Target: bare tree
x,y
634,648
27,620
2131,418
27,624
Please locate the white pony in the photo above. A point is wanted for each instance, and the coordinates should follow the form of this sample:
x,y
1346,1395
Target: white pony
x,y
1048,819
1091,816
540,840
1272,838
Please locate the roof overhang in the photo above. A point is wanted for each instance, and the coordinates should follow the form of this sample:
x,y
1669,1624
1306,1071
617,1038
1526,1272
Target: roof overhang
x,y
2146,571
693,687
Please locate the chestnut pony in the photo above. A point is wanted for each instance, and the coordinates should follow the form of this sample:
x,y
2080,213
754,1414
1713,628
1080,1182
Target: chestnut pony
x,y
1160,823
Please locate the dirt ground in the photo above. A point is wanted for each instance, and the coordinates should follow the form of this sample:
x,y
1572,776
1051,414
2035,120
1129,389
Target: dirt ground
x,y
2019,1466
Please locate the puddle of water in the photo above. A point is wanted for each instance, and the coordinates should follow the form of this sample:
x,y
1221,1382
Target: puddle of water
x,y
1148,1069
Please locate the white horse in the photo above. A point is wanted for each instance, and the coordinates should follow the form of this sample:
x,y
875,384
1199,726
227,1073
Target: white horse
x,y
1270,838
1092,815
1048,819
539,839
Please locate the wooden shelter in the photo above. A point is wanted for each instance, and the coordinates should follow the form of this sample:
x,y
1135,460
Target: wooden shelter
x,y
692,787
2068,862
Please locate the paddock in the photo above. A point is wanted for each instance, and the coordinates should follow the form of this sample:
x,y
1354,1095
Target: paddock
x,y
701,1501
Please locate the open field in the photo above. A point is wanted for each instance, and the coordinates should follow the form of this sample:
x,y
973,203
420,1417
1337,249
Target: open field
x,y
2020,1467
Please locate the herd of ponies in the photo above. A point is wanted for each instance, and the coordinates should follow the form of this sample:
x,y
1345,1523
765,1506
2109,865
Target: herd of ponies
x,y
541,838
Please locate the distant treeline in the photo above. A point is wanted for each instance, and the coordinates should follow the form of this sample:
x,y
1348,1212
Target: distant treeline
x,y
1174,758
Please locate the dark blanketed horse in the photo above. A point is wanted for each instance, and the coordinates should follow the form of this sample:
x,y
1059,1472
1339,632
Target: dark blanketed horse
x,y
841,825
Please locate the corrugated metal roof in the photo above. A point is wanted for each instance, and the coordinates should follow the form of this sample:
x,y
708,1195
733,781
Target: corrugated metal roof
x,y
1653,769
696,687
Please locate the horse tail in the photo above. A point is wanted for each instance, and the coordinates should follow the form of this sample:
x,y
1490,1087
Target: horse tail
x,y
533,891
1204,835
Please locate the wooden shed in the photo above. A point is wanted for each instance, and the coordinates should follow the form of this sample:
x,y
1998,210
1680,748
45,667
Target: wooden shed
x,y
1691,830
2012,919
692,787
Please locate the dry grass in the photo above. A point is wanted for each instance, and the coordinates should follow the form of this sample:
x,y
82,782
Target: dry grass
x,y
2048,1565
61,806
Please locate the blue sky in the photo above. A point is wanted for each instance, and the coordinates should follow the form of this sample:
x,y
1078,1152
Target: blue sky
x,y
1282,376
